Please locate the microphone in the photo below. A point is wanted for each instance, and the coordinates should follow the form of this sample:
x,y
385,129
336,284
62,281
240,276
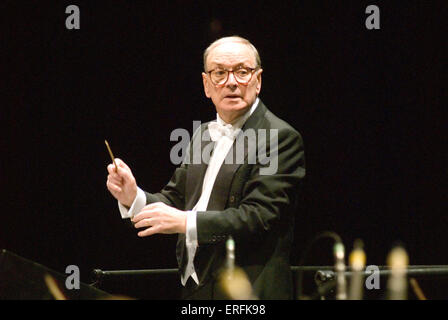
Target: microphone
x,y
357,261
397,261
341,286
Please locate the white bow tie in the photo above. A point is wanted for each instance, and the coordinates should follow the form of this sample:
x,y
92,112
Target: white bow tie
x,y
218,130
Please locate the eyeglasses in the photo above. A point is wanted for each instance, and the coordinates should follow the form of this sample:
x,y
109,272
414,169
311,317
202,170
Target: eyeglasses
x,y
242,75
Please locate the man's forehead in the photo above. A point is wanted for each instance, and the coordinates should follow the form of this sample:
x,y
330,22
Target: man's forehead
x,y
231,53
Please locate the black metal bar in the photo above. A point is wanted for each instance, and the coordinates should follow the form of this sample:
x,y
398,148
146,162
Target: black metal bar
x,y
323,275
106,273
412,270
417,271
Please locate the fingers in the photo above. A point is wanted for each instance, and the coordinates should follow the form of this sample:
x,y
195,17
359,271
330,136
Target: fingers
x,y
114,180
160,218
112,171
121,173
145,223
144,214
121,164
149,232
148,218
151,225
114,176
113,187
149,211
125,174
111,168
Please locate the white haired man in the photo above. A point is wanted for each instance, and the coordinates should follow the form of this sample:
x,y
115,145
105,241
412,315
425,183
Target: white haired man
x,y
205,203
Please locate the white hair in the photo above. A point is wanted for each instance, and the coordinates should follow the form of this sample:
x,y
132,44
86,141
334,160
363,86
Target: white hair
x,y
232,39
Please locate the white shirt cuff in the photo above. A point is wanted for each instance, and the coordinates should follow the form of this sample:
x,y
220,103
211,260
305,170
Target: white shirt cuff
x,y
138,204
191,234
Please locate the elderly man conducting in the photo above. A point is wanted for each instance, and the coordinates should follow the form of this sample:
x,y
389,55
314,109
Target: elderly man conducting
x,y
205,203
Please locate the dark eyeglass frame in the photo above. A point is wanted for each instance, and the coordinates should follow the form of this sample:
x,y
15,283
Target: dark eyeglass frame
x,y
245,83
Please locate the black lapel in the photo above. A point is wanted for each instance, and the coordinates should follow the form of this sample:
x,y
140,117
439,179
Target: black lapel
x,y
221,188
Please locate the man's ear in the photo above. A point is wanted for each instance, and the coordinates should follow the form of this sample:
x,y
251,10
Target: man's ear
x,y
205,82
259,81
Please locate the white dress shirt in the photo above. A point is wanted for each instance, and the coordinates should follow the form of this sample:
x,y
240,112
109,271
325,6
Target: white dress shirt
x,y
221,148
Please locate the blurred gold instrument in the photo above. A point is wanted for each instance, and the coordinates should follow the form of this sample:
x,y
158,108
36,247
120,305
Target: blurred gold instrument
x,y
54,288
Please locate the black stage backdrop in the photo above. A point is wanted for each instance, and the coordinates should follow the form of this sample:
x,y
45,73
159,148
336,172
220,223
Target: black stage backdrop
x,y
367,102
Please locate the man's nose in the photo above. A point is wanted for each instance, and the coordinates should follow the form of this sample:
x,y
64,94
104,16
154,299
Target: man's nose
x,y
231,81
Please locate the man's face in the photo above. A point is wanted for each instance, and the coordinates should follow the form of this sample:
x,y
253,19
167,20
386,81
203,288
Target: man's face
x,y
232,99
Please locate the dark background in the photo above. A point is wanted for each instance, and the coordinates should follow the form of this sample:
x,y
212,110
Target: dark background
x,y
367,103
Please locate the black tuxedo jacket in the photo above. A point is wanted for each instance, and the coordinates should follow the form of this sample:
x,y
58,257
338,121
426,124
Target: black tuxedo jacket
x,y
256,210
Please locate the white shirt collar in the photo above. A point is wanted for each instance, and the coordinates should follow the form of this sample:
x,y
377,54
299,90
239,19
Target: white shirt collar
x,y
241,120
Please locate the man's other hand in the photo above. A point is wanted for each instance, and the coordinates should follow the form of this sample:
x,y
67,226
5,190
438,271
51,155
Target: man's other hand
x,y
160,218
